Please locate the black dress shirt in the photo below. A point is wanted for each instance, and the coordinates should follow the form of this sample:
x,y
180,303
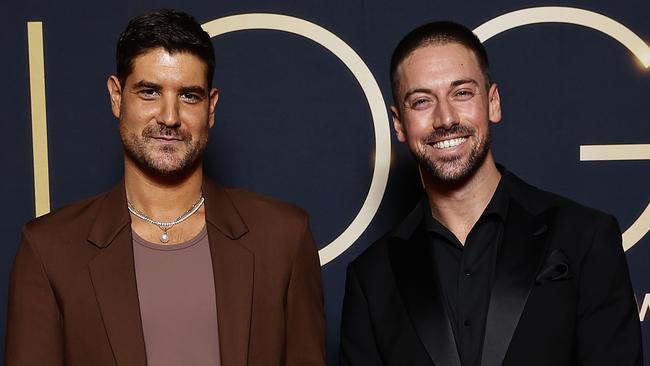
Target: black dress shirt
x,y
466,272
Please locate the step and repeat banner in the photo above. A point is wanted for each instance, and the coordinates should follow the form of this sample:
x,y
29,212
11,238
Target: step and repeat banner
x,y
303,112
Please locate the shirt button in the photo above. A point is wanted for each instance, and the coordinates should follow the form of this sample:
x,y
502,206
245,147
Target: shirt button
x,y
467,322
468,274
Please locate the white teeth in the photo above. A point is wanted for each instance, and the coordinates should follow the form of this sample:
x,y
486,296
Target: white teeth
x,y
449,143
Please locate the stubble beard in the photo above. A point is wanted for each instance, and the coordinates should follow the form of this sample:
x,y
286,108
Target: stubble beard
x,y
163,160
454,169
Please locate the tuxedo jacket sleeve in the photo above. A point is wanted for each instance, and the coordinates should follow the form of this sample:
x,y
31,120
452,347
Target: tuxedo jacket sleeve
x,y
358,344
607,319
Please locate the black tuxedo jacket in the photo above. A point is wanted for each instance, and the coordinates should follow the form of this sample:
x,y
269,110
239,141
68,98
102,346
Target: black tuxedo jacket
x,y
561,293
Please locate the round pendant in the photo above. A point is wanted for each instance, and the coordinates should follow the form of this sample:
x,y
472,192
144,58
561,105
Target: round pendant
x,y
164,238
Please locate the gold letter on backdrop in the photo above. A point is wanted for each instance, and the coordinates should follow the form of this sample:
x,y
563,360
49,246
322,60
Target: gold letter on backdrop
x,y
39,121
614,29
371,90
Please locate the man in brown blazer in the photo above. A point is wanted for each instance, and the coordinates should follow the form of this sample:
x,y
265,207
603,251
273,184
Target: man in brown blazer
x,y
167,268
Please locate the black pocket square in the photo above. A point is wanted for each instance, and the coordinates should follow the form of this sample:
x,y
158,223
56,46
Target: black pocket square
x,y
556,267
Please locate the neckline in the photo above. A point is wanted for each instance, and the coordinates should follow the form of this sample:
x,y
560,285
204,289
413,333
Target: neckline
x,y
165,247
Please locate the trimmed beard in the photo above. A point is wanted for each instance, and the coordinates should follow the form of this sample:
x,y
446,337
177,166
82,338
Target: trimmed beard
x,y
454,169
138,149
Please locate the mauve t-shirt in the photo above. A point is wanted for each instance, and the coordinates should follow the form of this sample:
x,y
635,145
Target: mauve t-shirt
x,y
177,302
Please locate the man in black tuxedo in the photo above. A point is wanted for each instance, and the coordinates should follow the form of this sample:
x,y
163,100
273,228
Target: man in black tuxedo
x,y
487,270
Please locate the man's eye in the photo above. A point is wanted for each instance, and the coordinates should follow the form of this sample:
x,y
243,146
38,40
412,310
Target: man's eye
x,y
420,104
463,94
190,98
148,93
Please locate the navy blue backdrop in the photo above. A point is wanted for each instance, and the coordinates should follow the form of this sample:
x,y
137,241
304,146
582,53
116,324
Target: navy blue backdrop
x,y
293,121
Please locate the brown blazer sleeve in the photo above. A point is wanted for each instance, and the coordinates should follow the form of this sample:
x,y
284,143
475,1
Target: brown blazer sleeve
x,y
305,315
34,323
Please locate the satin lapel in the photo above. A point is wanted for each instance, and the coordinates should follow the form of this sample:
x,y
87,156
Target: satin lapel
x,y
112,273
233,267
417,281
518,260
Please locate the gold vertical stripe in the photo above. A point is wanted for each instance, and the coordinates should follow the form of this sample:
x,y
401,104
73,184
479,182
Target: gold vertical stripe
x,y
39,121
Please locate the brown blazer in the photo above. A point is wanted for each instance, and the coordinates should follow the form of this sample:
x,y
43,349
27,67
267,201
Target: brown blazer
x,y
73,298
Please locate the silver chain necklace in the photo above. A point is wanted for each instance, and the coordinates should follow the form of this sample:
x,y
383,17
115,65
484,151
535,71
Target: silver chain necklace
x,y
166,225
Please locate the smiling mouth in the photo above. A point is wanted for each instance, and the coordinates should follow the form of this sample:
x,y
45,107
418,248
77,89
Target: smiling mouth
x,y
448,144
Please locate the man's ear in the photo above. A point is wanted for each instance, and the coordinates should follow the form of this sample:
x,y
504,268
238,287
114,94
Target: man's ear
x,y
115,93
494,104
214,97
398,126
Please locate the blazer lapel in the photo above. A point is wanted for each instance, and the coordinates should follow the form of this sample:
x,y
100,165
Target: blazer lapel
x,y
112,274
417,280
518,260
233,267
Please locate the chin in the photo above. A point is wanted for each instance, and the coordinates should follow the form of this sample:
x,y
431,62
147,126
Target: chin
x,y
170,168
450,170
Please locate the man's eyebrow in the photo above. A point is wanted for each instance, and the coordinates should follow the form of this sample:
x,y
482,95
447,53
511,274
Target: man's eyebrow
x,y
463,81
196,89
453,84
147,84
416,90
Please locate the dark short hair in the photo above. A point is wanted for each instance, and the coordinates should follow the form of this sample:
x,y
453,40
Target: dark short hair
x,y
437,34
172,30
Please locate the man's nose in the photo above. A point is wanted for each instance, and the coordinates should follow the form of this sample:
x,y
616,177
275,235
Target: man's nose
x,y
169,111
445,115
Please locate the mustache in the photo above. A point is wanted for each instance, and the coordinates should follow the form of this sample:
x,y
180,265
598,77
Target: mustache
x,y
163,130
455,130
